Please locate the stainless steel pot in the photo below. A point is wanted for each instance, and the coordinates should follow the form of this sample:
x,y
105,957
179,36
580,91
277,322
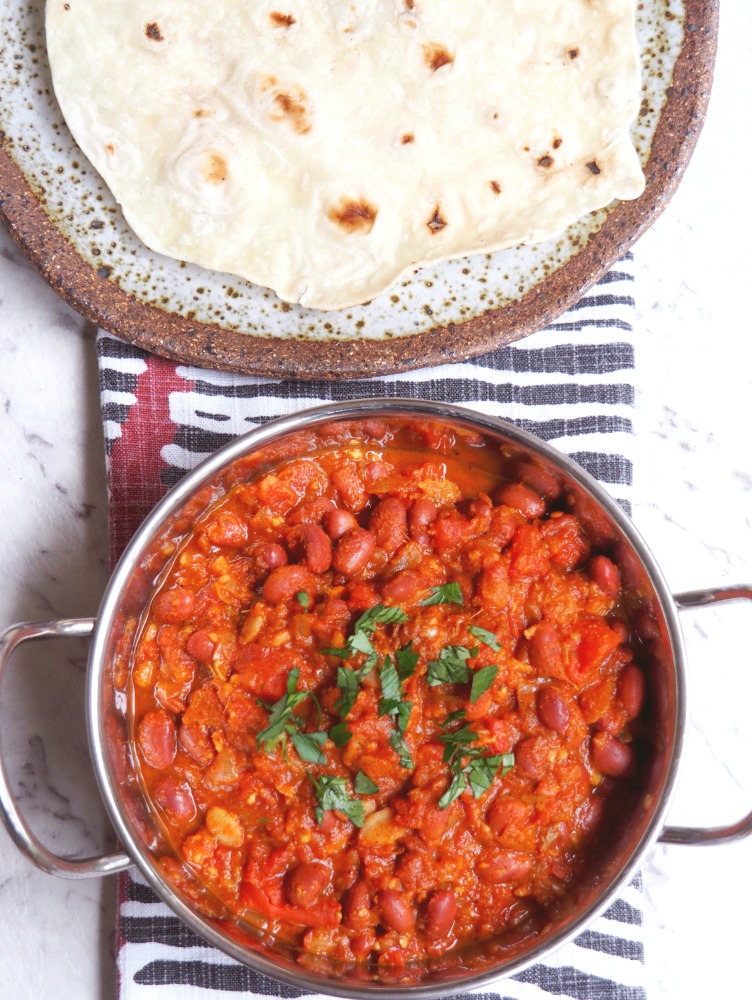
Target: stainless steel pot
x,y
145,558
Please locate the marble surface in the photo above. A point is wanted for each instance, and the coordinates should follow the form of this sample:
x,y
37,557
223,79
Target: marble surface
x,y
693,490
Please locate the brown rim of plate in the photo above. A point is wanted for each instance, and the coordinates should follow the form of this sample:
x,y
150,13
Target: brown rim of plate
x,y
207,345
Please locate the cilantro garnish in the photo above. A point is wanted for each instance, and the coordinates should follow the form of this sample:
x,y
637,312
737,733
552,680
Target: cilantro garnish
x,y
282,722
348,680
379,614
470,767
332,793
304,598
309,745
486,637
407,661
281,711
398,744
482,681
364,785
340,735
393,701
449,593
451,666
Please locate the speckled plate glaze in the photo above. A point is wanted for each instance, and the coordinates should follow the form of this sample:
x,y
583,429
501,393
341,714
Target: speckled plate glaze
x,y
65,219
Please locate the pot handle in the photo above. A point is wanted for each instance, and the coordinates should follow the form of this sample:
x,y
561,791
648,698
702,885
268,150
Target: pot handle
x,y
16,825
743,828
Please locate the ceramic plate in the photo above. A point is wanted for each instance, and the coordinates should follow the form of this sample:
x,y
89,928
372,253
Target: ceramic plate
x,y
65,219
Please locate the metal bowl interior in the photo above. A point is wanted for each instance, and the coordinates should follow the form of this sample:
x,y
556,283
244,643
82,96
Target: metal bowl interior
x,y
248,940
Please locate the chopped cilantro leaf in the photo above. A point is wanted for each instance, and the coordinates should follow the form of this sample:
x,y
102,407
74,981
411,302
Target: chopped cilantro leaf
x,y
449,593
363,785
347,682
482,681
281,711
379,614
308,745
454,717
304,598
451,666
485,636
407,661
340,735
332,793
397,743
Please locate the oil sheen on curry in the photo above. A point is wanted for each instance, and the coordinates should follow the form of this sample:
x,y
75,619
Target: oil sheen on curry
x,y
384,700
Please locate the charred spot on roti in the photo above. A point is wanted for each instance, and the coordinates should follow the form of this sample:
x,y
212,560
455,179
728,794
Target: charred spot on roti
x,y
495,187
282,20
545,161
354,216
573,53
202,113
153,31
557,142
436,223
593,167
214,167
287,105
407,138
435,56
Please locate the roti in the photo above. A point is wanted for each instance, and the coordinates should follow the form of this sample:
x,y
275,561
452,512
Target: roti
x,y
327,150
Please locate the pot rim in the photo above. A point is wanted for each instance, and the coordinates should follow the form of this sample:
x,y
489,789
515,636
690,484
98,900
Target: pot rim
x,y
203,474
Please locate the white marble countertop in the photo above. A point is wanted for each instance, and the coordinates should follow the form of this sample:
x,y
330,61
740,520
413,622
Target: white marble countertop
x,y
693,491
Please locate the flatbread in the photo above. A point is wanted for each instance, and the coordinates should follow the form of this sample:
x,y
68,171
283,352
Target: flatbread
x,y
324,150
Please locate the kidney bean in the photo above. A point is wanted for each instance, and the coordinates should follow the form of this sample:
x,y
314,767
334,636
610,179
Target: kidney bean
x,y
501,865
405,586
316,545
422,513
552,709
522,499
267,556
375,429
396,912
353,551
284,582
389,523
630,688
544,650
311,511
439,916
173,606
611,756
361,945
357,908
505,812
157,738
200,645
197,742
531,757
175,797
307,882
227,530
590,814
338,521
503,524
350,488
605,575
541,479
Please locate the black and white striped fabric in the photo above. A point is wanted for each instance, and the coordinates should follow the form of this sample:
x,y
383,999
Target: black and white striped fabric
x,y
572,384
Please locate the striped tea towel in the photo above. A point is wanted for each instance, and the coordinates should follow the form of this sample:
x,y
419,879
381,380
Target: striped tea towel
x,y
572,384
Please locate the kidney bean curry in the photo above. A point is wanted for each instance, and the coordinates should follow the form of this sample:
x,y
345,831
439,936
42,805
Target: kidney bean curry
x,y
383,694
